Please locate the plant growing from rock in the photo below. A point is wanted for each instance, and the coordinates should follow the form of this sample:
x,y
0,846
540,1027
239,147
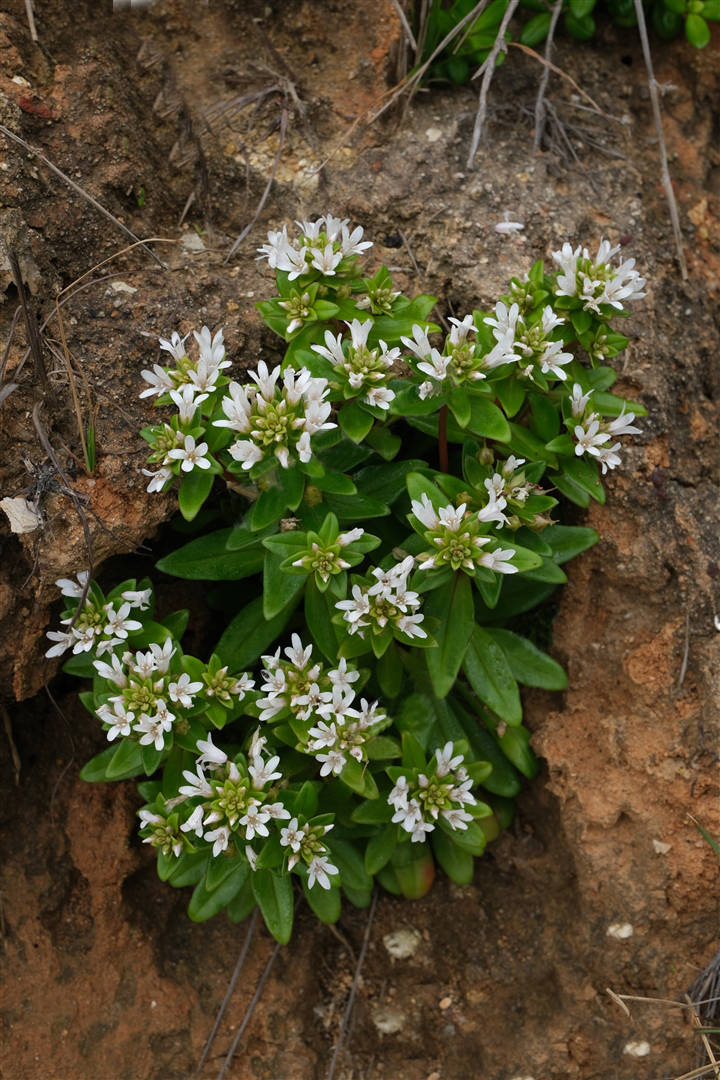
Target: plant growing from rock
x,y
392,492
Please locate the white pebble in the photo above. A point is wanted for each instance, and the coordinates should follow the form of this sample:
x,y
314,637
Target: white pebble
x,y
637,1049
620,931
403,943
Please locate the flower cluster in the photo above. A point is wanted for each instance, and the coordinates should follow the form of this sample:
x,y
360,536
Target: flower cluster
x,y
305,844
151,698
323,246
322,706
279,415
228,800
191,386
384,604
528,342
359,369
593,434
462,359
597,284
421,799
99,626
456,534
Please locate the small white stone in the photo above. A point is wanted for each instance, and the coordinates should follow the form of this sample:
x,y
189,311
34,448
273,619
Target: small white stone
x,y
387,1019
620,931
19,81
24,516
509,227
403,943
660,847
637,1049
433,134
191,241
122,287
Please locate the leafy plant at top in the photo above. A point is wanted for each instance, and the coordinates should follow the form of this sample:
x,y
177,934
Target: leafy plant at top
x,y
461,59
390,524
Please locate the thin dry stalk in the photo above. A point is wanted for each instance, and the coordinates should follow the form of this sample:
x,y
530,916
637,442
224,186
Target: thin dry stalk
x,y
81,191
405,25
73,389
31,19
248,1014
228,993
488,69
697,1024
657,116
33,335
353,990
545,77
686,652
559,71
14,756
9,342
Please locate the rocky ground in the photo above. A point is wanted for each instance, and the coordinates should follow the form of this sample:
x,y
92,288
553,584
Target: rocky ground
x,y
104,976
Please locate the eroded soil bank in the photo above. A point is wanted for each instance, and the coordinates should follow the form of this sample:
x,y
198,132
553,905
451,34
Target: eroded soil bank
x,y
103,975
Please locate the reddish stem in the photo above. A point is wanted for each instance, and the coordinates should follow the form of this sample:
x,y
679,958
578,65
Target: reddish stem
x,y
442,439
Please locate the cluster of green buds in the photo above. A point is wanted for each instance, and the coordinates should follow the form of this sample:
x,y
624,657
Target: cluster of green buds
x,y
326,554
356,369
459,536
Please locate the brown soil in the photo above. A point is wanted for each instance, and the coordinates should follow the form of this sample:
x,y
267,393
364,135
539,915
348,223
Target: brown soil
x,y
104,976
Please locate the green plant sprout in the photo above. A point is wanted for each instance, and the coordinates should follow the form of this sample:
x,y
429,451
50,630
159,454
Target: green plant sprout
x,y
390,493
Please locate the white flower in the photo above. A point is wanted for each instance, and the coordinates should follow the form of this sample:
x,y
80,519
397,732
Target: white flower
x,y
298,654
452,517
332,350
118,623
187,401
507,228
246,452
152,728
119,719
175,346
341,676
195,822
318,870
578,400
254,821
425,512
63,640
191,455
590,438
220,838
262,772
159,380
292,836
351,243
138,599
456,817
158,479
196,784
183,691
398,797
623,425
425,389
209,753
326,260
74,589
445,761
608,457
380,397
333,762
418,343
113,671
251,857
567,260
162,654
498,561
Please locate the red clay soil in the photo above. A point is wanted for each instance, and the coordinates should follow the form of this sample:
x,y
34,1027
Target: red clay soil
x,y
104,977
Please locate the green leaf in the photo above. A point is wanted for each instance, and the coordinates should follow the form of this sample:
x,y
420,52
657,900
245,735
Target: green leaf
x,y
697,31
221,867
491,678
335,483
206,559
515,744
318,615
274,896
355,507
533,33
268,508
413,755
389,672
177,622
453,605
195,487
80,665
279,589
372,812
567,541
546,418
384,442
125,762
250,634
380,849
325,903
459,404
528,664
95,771
151,758
349,862
355,421
549,571
204,904
417,717
510,392
457,864
386,482
582,29
242,903
188,869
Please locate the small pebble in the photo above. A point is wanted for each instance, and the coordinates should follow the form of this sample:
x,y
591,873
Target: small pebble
x,y
403,943
660,847
637,1049
445,1002
433,134
620,931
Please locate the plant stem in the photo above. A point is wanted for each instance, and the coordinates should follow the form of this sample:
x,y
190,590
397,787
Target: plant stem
x,y
442,439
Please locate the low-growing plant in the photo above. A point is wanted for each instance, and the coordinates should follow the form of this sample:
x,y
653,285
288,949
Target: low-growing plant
x,y
390,492
461,59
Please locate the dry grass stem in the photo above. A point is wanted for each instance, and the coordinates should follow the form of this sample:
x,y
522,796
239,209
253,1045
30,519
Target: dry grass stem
x,y
657,116
284,117
405,25
353,989
29,11
14,756
488,69
248,1014
545,77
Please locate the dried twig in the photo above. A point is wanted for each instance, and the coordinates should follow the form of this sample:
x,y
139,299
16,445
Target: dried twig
x,y
697,1023
405,25
657,116
31,326
353,990
81,191
31,19
559,71
228,993
9,342
248,1014
686,652
15,757
488,68
545,77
